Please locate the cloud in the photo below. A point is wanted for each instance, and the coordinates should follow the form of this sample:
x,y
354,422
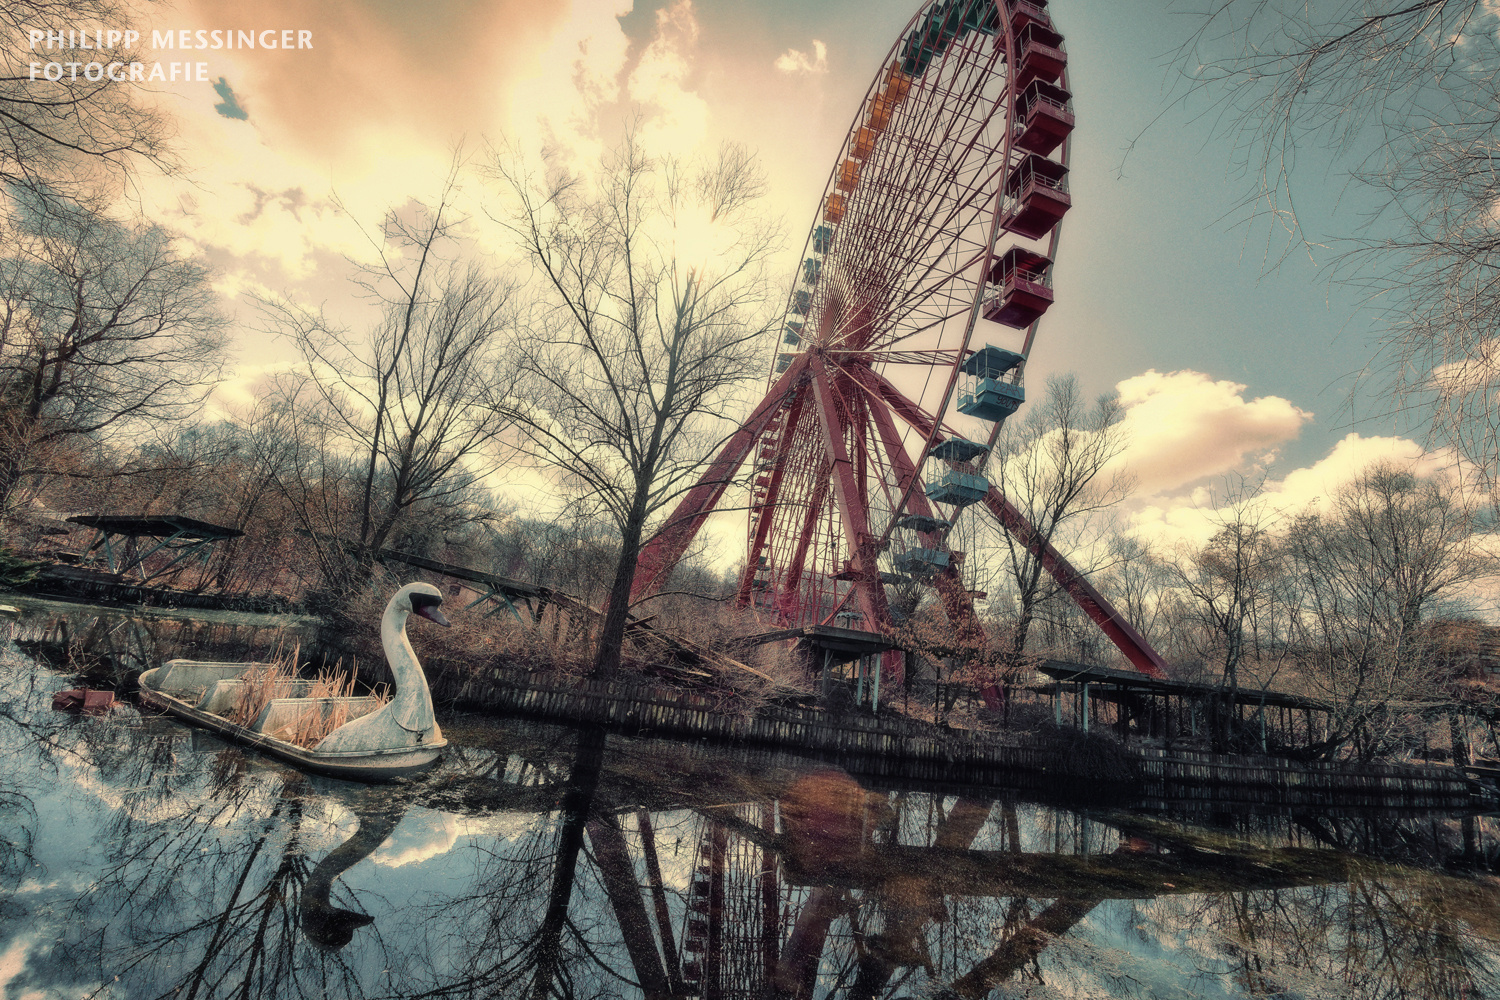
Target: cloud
x,y
576,76
1192,519
659,80
375,72
229,105
1185,426
1477,373
798,63
367,118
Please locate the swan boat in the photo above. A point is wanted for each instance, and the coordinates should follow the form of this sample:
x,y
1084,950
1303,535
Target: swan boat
x,y
378,743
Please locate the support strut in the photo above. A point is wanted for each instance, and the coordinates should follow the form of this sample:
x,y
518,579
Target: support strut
x,y
1114,624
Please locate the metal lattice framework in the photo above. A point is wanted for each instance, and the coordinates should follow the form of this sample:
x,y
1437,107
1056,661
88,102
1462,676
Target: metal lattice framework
x,y
942,209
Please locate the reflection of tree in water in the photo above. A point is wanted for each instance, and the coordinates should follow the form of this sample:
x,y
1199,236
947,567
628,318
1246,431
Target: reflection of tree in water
x,y
200,895
792,885
863,895
200,871
1383,935
17,821
512,932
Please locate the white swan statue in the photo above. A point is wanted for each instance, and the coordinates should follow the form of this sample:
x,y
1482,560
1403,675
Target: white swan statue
x,y
378,743
407,720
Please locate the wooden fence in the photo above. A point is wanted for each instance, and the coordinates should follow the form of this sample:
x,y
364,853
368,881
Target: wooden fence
x,y
1207,778
910,749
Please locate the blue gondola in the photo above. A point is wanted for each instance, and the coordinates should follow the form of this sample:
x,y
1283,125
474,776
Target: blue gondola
x,y
921,522
920,561
992,400
990,362
957,449
958,488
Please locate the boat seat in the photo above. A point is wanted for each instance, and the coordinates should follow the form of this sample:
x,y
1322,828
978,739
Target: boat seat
x,y
196,675
223,695
282,712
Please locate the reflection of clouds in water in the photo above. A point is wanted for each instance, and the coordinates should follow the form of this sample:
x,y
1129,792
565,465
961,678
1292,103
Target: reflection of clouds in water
x,y
505,826
421,834
13,961
428,833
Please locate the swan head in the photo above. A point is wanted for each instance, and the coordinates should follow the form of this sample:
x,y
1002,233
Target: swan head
x,y
420,599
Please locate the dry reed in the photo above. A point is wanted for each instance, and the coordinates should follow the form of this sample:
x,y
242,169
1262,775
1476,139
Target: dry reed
x,y
318,720
263,684
278,679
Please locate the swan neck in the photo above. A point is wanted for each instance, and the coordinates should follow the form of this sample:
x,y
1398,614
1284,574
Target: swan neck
x,y
406,669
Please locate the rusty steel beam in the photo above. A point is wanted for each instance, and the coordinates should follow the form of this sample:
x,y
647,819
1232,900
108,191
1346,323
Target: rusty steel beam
x,y
1104,614
660,555
850,497
618,873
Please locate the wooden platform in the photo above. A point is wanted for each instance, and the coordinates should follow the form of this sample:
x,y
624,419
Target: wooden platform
x,y
898,747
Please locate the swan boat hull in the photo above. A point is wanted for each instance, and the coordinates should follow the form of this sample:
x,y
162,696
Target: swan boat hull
x,y
387,764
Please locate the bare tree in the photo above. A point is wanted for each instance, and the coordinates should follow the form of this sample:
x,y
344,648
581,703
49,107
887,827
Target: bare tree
x,y
1230,584
104,325
637,341
1406,95
1392,551
1137,580
73,133
394,420
1056,467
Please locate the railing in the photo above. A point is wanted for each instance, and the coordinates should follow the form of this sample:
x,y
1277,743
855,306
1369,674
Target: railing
x,y
1179,774
906,747
1039,99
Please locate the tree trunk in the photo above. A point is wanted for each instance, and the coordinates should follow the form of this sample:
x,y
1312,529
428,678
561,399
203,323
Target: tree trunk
x,y
10,475
1459,739
578,800
617,607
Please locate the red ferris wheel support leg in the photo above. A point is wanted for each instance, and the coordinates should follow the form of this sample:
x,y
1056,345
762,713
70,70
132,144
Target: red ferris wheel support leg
x,y
657,558
851,502
792,584
772,497
1113,624
1130,642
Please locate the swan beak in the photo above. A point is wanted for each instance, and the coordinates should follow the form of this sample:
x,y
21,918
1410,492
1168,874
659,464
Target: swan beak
x,y
432,614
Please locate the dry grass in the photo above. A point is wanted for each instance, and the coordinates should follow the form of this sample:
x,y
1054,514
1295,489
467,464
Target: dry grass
x,y
264,684
279,679
314,723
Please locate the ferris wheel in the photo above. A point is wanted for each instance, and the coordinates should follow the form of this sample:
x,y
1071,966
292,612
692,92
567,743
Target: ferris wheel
x,y
924,279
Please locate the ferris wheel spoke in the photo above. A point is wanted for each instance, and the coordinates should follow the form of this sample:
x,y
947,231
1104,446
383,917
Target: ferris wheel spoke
x,y
929,323
849,498
931,357
924,183
796,567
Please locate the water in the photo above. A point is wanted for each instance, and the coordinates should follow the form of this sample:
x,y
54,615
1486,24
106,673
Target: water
x,y
139,858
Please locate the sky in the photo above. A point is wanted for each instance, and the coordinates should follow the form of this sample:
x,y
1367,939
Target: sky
x,y
1232,356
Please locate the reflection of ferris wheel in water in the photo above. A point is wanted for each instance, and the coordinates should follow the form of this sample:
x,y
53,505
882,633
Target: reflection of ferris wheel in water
x,y
942,209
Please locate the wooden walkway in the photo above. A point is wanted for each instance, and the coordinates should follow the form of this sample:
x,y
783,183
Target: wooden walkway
x,y
67,583
885,747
